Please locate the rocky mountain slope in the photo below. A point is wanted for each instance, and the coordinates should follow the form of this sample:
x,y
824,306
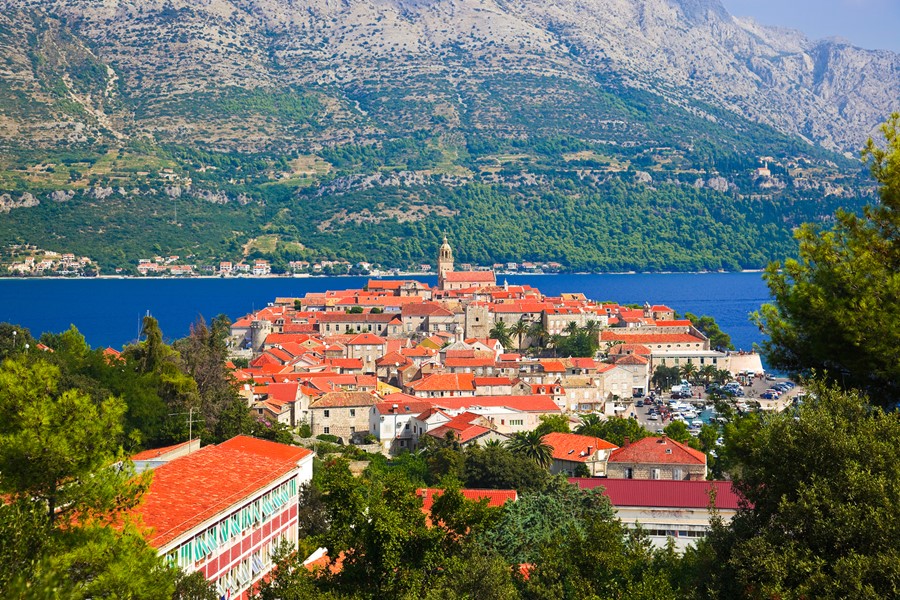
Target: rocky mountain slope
x,y
593,134
338,70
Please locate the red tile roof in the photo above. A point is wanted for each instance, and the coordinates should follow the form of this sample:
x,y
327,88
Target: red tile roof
x,y
663,493
658,450
495,498
344,399
470,276
632,359
648,338
194,488
456,382
573,447
425,309
366,339
639,349
484,361
463,433
541,404
553,366
404,407
157,452
283,392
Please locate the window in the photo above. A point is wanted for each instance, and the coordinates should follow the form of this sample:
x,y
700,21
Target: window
x,y
654,473
629,473
352,430
352,412
677,474
327,413
326,430
515,422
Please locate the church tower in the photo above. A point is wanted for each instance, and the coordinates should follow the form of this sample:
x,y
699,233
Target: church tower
x,y
445,262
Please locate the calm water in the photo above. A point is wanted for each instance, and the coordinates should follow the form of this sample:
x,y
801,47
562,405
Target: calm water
x,y
108,311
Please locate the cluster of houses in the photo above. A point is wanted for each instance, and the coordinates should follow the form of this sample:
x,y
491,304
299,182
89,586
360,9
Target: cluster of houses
x,y
173,266
418,358
46,262
399,362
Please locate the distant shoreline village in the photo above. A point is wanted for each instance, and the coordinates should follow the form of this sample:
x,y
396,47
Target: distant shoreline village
x,y
31,262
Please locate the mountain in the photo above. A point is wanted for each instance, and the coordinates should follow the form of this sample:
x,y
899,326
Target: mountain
x,y
252,113
165,55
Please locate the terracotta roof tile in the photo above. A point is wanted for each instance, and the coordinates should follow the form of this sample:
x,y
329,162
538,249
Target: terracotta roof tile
x,y
495,498
342,399
658,450
194,488
573,447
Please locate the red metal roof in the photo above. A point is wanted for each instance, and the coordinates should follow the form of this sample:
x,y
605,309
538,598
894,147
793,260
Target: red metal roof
x,y
194,488
663,493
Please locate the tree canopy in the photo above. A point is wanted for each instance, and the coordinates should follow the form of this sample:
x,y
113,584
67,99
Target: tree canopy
x,y
836,308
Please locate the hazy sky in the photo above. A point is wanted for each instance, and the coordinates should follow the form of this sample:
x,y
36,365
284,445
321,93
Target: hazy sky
x,y
866,23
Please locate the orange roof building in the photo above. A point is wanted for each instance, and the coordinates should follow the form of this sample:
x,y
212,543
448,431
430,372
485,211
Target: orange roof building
x,y
571,450
222,509
657,458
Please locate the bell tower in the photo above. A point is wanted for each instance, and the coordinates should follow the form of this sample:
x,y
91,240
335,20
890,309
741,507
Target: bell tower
x,y
445,261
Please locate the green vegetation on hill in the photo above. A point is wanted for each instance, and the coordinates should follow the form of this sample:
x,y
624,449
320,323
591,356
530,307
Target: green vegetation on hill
x,y
516,164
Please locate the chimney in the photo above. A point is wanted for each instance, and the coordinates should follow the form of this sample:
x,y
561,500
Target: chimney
x,y
626,442
590,450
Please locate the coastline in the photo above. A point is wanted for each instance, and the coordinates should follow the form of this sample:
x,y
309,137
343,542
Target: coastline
x,y
370,275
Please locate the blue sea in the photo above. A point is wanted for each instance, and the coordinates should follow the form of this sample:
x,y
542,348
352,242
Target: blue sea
x,y
109,311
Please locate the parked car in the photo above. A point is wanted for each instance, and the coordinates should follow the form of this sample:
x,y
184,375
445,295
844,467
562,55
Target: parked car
x,y
768,396
639,403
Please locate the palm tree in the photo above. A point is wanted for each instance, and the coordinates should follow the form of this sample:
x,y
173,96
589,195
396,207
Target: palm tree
x,y
493,444
723,375
571,328
500,333
555,341
708,372
592,327
518,330
537,332
589,424
530,445
689,371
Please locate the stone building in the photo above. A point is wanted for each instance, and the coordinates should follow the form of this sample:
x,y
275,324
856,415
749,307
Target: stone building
x,y
656,458
344,414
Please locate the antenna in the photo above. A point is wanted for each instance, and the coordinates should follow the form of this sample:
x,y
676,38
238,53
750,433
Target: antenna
x,y
190,421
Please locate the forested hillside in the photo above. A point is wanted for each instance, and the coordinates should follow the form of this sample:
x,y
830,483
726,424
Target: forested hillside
x,y
362,132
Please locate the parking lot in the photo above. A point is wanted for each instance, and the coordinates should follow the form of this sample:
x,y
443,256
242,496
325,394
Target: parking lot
x,y
752,392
